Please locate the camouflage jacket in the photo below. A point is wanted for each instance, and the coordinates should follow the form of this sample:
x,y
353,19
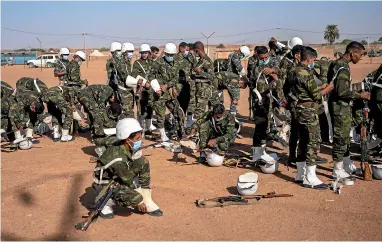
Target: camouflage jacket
x,y
21,108
124,171
251,64
224,130
126,67
321,68
286,65
142,68
31,84
98,92
116,72
230,81
206,67
166,73
304,86
264,84
105,121
186,64
68,94
73,74
61,66
234,62
6,89
339,74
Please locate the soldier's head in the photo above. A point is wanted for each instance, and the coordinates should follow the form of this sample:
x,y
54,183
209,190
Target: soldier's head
x,y
199,48
183,48
218,112
354,52
262,55
37,107
154,52
114,110
169,52
272,44
115,49
79,57
296,53
308,56
243,82
127,50
144,51
191,48
64,53
129,131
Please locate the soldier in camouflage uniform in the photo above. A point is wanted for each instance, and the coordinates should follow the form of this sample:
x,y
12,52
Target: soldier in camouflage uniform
x,y
73,72
203,74
275,51
186,97
125,165
106,121
232,83
154,53
216,130
31,84
234,63
60,103
61,66
339,105
6,101
117,71
25,111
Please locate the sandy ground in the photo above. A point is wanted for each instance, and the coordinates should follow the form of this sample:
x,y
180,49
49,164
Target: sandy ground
x,y
41,189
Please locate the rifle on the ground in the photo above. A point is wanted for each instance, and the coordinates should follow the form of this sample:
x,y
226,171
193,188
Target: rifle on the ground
x,y
366,170
101,200
235,200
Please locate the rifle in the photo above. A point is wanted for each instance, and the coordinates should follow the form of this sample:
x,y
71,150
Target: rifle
x,y
139,97
366,170
101,200
178,116
250,101
235,200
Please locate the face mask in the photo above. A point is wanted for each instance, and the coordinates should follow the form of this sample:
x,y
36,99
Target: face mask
x,y
79,63
137,145
119,53
185,53
169,59
129,55
196,54
263,63
65,57
311,66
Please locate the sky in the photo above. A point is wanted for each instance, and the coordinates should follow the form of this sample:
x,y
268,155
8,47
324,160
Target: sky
x,y
157,23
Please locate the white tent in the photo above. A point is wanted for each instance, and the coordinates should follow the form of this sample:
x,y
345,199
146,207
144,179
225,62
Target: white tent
x,y
96,53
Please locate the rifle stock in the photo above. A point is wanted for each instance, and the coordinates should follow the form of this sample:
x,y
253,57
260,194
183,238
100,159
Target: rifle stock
x,y
366,170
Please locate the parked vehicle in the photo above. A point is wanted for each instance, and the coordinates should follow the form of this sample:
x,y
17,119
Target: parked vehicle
x,y
374,53
46,60
18,58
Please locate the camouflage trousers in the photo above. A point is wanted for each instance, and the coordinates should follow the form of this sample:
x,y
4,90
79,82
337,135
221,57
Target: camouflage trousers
x,y
207,132
261,115
127,102
145,102
308,134
21,118
159,106
5,121
203,96
186,98
105,140
293,133
61,110
341,120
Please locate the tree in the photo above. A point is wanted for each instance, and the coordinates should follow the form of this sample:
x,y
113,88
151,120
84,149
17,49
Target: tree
x,y
331,33
364,42
346,41
220,46
380,39
104,49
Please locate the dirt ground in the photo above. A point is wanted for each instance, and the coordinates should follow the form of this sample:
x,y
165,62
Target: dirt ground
x,y
41,190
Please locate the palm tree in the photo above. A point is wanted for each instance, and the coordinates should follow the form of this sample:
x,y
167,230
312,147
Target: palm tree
x,y
331,33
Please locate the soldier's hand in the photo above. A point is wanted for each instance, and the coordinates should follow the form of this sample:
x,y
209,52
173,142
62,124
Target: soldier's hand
x,y
323,86
159,92
86,82
284,102
164,87
142,207
267,71
234,102
147,85
365,95
197,69
174,93
192,133
212,143
275,77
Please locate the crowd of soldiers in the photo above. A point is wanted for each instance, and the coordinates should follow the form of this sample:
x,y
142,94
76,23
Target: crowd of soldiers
x,y
284,81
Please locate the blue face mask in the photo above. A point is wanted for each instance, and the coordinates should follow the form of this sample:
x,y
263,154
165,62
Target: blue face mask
x,y
65,57
79,63
196,54
130,55
263,63
119,53
185,53
169,59
311,66
137,145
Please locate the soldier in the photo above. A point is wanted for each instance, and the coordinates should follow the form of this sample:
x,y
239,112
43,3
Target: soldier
x,y
24,112
276,49
154,53
124,163
35,85
308,96
104,127
73,71
203,74
61,66
7,100
252,62
216,130
234,60
118,68
339,104
60,102
263,80
143,67
186,97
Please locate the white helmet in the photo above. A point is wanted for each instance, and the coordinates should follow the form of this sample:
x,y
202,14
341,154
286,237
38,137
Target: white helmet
x,y
237,126
247,183
270,168
294,41
64,51
115,46
25,145
81,54
127,47
245,50
144,48
127,126
214,159
155,85
132,82
170,48
377,171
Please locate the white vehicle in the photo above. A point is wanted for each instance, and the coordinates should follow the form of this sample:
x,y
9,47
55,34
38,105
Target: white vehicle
x,y
46,60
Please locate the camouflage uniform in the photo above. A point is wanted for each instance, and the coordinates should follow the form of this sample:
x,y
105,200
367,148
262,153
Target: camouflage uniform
x,y
340,109
234,62
124,171
59,105
225,80
73,76
61,66
224,131
251,64
20,114
186,98
105,120
6,101
94,98
31,84
376,102
204,88
308,95
116,76
262,110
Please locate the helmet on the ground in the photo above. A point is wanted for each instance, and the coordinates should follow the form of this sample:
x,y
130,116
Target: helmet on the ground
x,y
294,41
127,47
127,126
115,46
214,159
247,183
245,51
377,171
145,48
270,168
170,48
25,144
64,51
81,54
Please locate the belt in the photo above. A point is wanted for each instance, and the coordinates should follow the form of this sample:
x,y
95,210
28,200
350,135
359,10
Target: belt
x,y
74,84
201,80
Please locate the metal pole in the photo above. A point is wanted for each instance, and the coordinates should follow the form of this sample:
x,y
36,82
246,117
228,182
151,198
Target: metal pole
x,y
87,60
41,52
208,49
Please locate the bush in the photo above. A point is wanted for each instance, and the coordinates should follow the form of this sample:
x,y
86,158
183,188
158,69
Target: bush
x,y
220,46
104,49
